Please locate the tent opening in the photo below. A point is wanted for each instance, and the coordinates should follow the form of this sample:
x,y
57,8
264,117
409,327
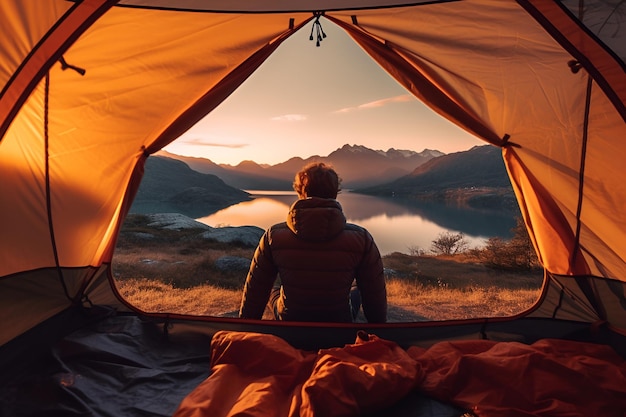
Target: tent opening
x,y
541,81
458,251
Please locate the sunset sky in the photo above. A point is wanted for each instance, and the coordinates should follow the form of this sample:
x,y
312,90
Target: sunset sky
x,y
307,100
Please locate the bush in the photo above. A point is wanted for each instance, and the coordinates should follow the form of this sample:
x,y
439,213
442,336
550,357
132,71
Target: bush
x,y
517,253
449,243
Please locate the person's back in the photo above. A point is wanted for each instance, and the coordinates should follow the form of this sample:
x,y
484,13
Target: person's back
x,y
317,256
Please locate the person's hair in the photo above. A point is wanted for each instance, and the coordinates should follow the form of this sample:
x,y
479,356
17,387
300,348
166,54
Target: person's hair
x,y
317,179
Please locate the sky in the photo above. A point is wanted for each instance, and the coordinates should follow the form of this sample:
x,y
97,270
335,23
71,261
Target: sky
x,y
307,100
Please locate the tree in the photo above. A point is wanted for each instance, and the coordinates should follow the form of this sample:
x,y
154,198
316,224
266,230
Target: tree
x,y
416,251
448,243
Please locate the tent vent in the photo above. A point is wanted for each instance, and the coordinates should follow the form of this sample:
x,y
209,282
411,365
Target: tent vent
x,y
65,65
574,66
317,26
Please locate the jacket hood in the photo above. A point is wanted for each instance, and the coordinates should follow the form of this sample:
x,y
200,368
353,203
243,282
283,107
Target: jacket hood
x,y
316,219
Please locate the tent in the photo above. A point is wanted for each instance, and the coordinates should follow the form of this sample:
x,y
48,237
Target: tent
x,y
92,88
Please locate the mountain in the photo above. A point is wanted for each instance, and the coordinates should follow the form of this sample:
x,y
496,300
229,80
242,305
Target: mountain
x,y
360,166
357,165
476,177
248,175
170,185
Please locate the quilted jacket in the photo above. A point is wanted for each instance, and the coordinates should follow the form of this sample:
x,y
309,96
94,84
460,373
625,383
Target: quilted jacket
x,y
316,255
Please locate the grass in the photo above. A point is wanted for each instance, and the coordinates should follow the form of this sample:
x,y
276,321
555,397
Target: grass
x,y
175,271
156,296
419,302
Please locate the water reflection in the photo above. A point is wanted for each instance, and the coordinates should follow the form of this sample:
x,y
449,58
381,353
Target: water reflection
x,y
396,224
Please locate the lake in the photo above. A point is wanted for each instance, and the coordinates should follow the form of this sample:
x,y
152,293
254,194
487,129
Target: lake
x,y
397,225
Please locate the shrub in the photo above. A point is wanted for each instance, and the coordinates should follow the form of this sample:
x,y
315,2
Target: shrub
x,y
448,243
517,253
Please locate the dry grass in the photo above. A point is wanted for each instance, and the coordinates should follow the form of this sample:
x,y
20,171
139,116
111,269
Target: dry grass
x,y
204,300
408,302
176,272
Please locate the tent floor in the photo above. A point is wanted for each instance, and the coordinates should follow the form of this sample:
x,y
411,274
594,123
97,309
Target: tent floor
x,y
121,366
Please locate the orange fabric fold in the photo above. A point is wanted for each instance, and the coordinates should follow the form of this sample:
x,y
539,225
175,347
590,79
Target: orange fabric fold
x,y
508,379
262,375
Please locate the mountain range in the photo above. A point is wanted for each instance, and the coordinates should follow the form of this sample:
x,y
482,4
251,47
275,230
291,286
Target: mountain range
x,y
349,161
481,166
476,177
197,186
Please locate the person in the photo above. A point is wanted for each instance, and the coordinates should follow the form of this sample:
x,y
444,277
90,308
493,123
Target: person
x,y
324,267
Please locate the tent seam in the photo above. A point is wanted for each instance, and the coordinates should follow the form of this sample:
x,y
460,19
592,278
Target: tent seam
x,y
47,180
285,11
585,285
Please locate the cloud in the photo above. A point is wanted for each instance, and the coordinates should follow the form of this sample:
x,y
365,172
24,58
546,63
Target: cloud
x,y
202,142
378,103
290,118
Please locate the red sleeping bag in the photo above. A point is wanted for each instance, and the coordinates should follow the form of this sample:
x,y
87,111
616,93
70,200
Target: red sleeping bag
x,y
262,375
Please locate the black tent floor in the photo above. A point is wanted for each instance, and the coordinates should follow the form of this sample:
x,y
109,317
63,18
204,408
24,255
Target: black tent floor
x,y
122,366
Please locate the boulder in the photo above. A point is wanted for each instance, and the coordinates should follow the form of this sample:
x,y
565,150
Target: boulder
x,y
142,235
175,221
232,264
245,235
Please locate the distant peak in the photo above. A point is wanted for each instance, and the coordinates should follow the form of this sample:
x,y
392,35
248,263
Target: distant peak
x,y
391,152
354,148
247,162
432,152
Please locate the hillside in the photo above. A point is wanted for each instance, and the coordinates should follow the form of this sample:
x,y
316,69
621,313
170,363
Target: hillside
x,y
476,177
248,175
170,185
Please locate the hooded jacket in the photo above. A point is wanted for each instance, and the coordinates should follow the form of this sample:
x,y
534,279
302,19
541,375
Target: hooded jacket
x,y
316,255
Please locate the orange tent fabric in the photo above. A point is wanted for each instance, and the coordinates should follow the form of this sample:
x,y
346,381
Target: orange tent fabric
x,y
262,375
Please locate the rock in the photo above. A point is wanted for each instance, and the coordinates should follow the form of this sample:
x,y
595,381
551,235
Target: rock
x,y
232,264
389,272
246,235
142,235
175,221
